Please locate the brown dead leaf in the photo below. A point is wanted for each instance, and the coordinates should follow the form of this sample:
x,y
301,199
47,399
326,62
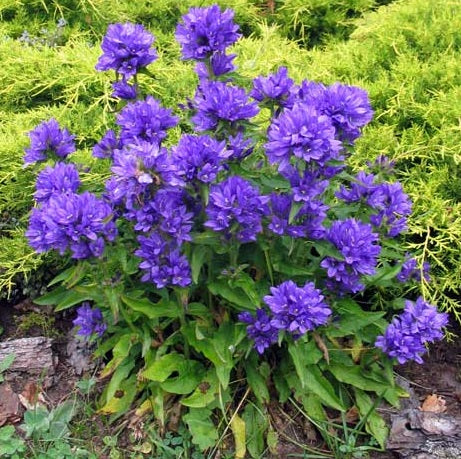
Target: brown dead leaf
x,y
434,403
10,411
31,396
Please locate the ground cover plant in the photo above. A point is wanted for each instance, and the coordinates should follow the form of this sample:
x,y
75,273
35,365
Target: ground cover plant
x,y
232,256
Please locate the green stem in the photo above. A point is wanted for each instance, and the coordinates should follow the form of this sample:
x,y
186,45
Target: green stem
x,y
182,296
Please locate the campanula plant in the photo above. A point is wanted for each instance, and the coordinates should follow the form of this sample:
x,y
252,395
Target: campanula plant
x,y
243,258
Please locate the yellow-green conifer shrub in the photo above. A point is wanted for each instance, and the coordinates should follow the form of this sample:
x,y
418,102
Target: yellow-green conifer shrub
x,y
408,56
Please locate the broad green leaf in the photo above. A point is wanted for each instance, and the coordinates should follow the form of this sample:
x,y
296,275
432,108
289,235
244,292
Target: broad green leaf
x,y
302,355
198,258
319,385
354,375
255,380
64,275
52,298
120,351
152,310
198,310
375,424
313,407
7,362
162,368
248,285
36,421
72,298
190,373
238,429
294,210
122,399
291,270
201,427
235,296
255,425
205,393
120,374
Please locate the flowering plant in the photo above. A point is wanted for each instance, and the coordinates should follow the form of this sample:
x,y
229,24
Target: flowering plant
x,y
245,257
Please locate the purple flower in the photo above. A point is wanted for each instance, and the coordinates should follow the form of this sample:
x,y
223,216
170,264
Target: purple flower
x,y
362,186
48,139
126,49
106,146
276,87
123,90
394,207
220,64
304,133
239,147
62,178
145,120
310,93
236,207
307,185
349,109
89,321
216,101
411,271
206,30
358,248
260,329
199,157
407,334
297,309
77,222
162,262
308,222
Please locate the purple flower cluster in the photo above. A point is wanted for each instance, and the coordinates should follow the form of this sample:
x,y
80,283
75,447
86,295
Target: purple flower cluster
x,y
162,263
62,178
260,329
303,133
216,101
205,31
411,271
358,248
145,120
275,88
80,223
393,206
406,336
48,139
307,223
297,309
106,146
294,309
126,49
199,157
89,321
236,208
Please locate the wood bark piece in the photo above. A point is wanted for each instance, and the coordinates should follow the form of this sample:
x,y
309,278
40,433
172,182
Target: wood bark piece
x,y
419,434
34,356
9,405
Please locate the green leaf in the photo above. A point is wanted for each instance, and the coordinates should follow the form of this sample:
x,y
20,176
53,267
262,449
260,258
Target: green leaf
x,y
59,421
120,351
291,270
313,407
375,424
201,427
352,318
7,362
63,276
354,375
248,285
52,298
312,379
205,393
36,421
235,296
303,354
122,399
198,258
295,208
120,374
190,373
238,429
255,380
256,425
161,369
164,308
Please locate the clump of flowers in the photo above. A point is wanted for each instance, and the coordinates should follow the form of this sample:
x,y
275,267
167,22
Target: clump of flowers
x,y
407,335
89,321
247,233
